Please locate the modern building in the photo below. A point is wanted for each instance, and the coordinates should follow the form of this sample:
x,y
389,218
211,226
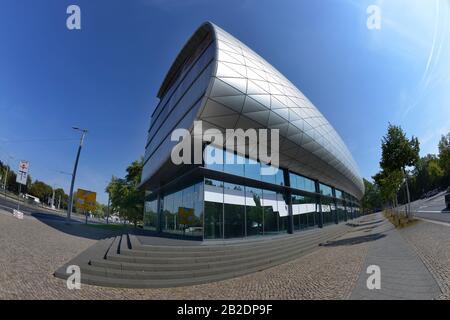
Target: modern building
x,y
219,80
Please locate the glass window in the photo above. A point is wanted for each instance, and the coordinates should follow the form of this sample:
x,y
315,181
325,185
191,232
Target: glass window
x,y
234,210
270,206
151,215
304,211
293,180
328,210
283,213
252,169
325,190
233,164
169,215
279,177
190,213
341,212
254,211
302,183
307,184
338,194
213,158
213,196
270,178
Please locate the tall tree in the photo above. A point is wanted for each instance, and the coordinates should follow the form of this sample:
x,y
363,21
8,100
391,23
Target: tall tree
x,y
41,190
372,198
126,198
389,183
444,155
397,153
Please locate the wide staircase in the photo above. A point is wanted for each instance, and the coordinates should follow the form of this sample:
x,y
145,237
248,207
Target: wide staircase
x,y
123,261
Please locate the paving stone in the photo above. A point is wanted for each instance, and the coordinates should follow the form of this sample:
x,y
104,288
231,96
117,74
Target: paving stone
x,y
32,250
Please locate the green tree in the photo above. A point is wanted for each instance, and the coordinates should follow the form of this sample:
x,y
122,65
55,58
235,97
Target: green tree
x,y
372,199
126,198
41,190
397,154
427,175
444,155
61,195
389,183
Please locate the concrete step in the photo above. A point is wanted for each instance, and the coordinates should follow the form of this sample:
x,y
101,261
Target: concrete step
x,y
109,281
105,271
229,258
219,253
125,262
211,245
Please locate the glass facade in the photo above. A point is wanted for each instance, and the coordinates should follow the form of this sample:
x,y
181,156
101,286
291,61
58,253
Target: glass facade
x,y
151,215
328,210
181,212
234,210
216,209
302,183
304,211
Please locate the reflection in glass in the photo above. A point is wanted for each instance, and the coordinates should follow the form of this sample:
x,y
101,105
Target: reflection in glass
x,y
270,206
341,212
212,157
302,183
254,211
151,215
252,169
304,212
213,209
234,210
325,190
233,164
328,210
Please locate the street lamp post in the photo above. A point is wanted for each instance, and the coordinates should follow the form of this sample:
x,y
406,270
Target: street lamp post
x,y
53,197
70,204
109,206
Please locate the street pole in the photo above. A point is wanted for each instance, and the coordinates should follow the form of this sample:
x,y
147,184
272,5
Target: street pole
x,y
18,202
6,178
70,205
53,198
109,202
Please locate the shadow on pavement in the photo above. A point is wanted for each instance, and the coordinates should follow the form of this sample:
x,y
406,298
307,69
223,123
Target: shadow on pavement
x,y
77,228
99,231
354,240
367,223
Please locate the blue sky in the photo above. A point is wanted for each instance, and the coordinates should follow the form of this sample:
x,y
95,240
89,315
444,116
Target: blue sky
x,y
105,76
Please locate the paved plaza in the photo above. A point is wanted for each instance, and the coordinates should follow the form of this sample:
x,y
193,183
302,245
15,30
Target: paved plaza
x,y
32,249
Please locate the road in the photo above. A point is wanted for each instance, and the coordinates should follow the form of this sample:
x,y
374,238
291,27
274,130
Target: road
x,y
432,208
9,204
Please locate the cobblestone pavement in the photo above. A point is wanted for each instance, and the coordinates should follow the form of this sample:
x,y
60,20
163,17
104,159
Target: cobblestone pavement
x,y
31,250
431,241
403,274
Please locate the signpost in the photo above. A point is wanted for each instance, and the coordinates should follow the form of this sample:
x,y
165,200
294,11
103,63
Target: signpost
x,y
85,200
21,179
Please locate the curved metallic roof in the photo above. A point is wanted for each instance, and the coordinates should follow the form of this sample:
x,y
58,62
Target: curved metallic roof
x,y
247,92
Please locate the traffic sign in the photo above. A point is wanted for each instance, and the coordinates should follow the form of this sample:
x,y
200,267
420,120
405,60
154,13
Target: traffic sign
x,y
85,200
22,173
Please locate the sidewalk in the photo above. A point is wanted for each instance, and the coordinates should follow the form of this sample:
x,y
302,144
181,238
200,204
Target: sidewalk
x,y
403,274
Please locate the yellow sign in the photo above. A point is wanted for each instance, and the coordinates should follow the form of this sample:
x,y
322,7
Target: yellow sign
x,y
186,215
85,200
